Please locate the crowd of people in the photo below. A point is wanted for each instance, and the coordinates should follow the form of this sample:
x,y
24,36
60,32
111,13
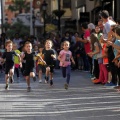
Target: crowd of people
x,y
96,50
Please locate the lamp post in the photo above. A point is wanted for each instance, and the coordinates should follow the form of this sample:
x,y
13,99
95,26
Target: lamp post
x,y
44,7
33,20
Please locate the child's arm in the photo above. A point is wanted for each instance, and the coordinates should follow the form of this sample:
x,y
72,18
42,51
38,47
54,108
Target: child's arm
x,y
53,56
59,58
97,50
40,58
116,58
72,60
113,45
22,57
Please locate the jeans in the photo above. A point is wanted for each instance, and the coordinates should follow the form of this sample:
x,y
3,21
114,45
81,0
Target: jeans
x,y
66,72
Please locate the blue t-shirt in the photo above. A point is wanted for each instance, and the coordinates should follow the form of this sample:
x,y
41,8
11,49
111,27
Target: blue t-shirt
x,y
117,42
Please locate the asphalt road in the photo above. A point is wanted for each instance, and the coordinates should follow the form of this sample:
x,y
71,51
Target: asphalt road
x,y
82,101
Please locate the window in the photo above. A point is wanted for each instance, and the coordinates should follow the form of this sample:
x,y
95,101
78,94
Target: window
x,y
66,3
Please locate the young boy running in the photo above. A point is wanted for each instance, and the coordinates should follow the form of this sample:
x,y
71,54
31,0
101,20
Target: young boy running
x,y
28,72
49,57
8,58
64,57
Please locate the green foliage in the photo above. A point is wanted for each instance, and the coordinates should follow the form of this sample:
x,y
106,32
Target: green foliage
x,y
18,27
6,25
19,5
59,13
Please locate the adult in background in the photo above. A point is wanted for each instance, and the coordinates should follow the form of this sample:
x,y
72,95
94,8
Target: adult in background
x,y
86,41
3,39
17,40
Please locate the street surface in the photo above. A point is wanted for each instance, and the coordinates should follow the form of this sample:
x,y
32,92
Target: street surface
x,y
82,101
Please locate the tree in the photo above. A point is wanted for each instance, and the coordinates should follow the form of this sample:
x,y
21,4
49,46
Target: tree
x,y
18,27
19,5
6,26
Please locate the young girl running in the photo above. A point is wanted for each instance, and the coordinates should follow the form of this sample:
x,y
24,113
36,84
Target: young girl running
x,y
28,72
64,57
40,64
8,57
16,61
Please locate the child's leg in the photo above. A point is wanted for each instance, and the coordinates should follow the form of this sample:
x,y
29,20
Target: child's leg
x,y
32,74
40,74
7,79
27,80
11,73
51,75
64,72
17,72
105,73
40,70
68,71
47,73
28,83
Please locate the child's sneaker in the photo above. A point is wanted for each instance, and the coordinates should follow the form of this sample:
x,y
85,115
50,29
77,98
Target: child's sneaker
x,y
40,81
11,80
7,87
34,79
66,86
28,89
46,79
51,83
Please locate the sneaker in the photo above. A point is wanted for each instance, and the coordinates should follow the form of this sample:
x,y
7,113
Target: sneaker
x,y
40,81
51,82
46,79
11,79
28,89
117,87
7,87
66,86
96,80
93,78
110,84
34,79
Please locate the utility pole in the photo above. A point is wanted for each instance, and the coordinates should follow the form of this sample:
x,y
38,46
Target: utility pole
x,y
2,14
59,22
31,15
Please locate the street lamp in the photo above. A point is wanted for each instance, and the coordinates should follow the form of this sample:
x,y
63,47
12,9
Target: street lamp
x,y
33,20
44,7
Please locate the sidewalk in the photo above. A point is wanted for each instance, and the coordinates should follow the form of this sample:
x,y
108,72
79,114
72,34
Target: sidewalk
x,y
82,101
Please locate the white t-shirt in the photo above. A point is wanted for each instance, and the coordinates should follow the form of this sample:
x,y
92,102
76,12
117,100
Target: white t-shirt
x,y
107,27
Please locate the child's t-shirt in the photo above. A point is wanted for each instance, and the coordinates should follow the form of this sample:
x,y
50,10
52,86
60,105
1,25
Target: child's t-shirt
x,y
16,58
38,61
65,57
9,58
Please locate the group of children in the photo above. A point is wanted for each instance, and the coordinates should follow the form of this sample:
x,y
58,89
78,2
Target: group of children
x,y
40,59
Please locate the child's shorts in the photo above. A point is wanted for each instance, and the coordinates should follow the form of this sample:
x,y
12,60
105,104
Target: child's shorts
x,y
27,71
41,67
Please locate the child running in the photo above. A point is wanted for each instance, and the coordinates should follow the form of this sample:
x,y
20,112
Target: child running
x,y
49,57
28,72
8,58
16,61
64,57
40,64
